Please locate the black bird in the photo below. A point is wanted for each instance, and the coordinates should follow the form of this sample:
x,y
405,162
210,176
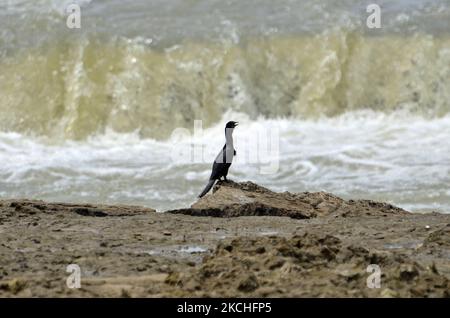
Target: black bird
x,y
223,160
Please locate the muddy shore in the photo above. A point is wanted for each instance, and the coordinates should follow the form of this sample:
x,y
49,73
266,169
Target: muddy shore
x,y
241,241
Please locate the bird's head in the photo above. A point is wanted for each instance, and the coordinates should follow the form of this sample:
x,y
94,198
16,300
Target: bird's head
x,y
231,124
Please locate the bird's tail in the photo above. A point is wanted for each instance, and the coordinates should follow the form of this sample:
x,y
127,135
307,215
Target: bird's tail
x,y
207,188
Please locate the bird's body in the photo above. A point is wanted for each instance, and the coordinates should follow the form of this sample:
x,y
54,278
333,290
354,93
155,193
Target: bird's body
x,y
223,160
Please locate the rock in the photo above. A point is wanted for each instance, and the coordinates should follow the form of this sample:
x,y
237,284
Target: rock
x,y
298,264
248,284
440,237
125,293
174,279
34,207
288,269
14,286
388,293
89,212
408,272
350,274
246,257
231,199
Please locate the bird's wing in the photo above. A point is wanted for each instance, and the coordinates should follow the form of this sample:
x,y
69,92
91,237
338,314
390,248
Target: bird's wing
x,y
225,155
221,156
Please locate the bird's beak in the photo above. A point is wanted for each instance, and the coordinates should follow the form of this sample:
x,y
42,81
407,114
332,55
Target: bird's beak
x,y
235,124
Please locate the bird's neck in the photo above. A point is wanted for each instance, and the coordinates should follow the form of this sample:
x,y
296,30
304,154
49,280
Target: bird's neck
x,y
229,137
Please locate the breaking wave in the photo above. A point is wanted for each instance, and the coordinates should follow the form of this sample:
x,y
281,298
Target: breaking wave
x,y
75,90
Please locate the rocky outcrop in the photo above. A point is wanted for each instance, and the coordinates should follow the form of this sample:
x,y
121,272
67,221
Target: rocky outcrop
x,y
439,238
323,250
307,265
32,207
231,199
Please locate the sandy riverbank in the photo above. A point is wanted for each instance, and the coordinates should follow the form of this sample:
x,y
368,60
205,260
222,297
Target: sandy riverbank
x,y
243,240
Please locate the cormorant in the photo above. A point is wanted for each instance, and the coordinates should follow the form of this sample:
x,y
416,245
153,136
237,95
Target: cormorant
x,y
223,160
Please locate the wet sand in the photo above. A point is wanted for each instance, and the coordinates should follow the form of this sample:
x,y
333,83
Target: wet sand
x,y
241,241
